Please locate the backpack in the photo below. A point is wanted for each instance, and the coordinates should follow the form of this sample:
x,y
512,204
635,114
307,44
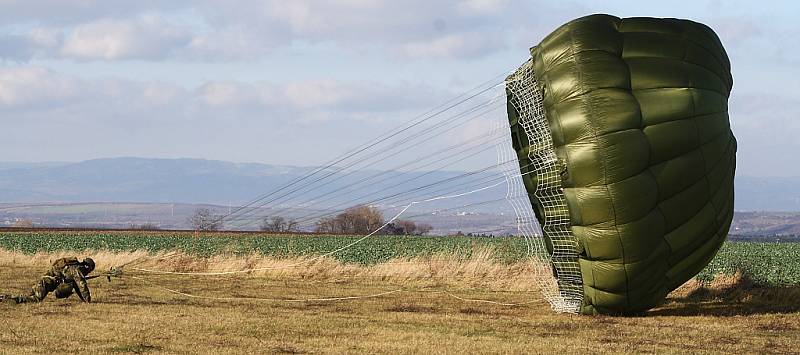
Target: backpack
x,y
60,264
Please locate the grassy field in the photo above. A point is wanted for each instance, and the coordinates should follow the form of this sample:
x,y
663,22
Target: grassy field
x,y
426,306
431,302
772,263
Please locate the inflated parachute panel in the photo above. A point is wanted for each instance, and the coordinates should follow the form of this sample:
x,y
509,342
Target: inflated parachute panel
x,y
638,195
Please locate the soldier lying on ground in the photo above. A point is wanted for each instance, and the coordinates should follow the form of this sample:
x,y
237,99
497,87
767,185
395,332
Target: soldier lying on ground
x,y
66,276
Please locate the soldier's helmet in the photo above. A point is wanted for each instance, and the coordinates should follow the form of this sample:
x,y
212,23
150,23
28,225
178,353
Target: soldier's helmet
x,y
88,263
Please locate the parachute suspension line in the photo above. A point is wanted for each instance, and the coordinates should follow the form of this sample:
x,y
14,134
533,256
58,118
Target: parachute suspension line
x,y
561,246
379,156
386,175
457,208
409,193
359,200
400,199
347,246
435,112
525,223
484,144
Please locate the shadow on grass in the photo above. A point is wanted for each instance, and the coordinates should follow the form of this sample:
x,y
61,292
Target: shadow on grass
x,y
729,295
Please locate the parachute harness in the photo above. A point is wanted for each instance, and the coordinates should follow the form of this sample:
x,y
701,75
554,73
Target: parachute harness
x,y
561,282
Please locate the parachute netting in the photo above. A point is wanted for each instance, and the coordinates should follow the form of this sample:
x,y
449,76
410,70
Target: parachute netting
x,y
554,251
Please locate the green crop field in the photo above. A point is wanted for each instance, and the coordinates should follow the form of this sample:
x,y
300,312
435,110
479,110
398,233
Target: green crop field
x,y
776,264
370,251
769,263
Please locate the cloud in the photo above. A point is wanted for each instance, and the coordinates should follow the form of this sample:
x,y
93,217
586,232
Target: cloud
x,y
148,37
66,13
33,88
36,91
248,29
17,47
58,116
360,22
765,126
314,100
225,44
460,45
480,7
244,29
26,46
734,30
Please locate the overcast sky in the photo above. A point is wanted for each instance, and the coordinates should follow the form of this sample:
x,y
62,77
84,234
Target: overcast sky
x,y
275,81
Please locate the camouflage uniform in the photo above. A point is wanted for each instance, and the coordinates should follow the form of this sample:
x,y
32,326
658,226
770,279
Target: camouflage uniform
x,y
65,277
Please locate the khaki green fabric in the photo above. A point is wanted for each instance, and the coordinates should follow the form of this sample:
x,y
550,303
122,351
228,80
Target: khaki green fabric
x,y
637,109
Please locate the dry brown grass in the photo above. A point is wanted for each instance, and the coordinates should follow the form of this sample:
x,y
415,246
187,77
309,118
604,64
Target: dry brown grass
x,y
480,270
132,316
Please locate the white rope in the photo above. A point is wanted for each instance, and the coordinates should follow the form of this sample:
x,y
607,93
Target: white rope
x,y
374,143
412,203
490,301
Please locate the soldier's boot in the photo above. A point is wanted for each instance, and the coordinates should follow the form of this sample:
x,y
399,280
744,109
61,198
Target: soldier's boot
x,y
14,299
26,299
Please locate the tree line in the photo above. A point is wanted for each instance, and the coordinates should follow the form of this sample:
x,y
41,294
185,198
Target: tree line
x,y
359,219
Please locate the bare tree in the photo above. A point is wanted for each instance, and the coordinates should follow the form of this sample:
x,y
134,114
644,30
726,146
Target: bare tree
x,y
405,226
291,225
278,224
327,225
273,224
145,226
424,228
356,220
204,220
362,219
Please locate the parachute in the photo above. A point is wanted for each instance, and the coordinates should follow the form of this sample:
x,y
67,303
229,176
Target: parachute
x,y
623,138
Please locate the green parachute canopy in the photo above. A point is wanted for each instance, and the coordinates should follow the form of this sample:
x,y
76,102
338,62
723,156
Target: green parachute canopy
x,y
624,143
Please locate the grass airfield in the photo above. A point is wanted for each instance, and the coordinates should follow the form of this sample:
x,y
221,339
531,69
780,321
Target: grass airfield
x,y
425,306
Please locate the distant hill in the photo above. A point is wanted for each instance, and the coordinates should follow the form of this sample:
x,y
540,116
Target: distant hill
x,y
223,183
8,165
142,180
766,224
